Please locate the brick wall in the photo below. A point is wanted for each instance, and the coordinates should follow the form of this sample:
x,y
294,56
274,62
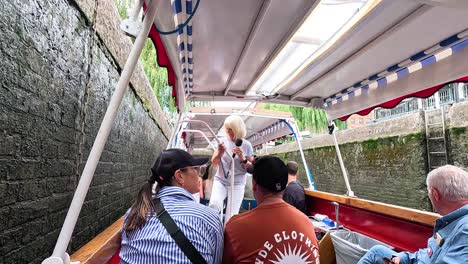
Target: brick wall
x,y
359,121
57,77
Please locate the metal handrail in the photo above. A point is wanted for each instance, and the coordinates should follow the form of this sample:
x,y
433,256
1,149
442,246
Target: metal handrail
x,y
296,136
197,131
230,197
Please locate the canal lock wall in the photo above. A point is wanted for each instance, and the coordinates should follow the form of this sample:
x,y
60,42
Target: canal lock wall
x,y
386,161
60,63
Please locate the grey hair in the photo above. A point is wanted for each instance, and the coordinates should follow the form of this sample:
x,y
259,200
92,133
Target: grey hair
x,y
451,181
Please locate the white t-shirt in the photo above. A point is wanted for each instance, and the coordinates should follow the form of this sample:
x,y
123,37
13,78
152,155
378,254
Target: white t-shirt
x,y
239,172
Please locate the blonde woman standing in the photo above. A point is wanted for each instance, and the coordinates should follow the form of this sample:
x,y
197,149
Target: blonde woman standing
x,y
242,151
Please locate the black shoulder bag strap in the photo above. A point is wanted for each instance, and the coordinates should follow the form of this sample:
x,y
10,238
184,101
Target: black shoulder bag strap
x,y
181,240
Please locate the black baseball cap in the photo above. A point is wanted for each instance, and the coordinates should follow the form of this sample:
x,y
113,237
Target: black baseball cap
x,y
271,173
172,160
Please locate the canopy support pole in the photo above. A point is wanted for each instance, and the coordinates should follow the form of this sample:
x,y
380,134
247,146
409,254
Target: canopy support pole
x,y
331,128
295,131
59,255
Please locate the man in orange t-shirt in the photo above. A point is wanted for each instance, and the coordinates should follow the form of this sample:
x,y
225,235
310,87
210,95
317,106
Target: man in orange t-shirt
x,y
274,232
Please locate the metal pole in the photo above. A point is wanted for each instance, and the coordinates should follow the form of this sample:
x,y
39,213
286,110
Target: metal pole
x,y
200,132
306,168
230,198
204,123
99,143
349,192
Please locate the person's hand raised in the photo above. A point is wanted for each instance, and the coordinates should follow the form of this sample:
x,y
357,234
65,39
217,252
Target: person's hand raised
x,y
218,153
221,149
239,153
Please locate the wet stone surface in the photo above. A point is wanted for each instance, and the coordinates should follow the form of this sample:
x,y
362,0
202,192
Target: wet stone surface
x,y
56,79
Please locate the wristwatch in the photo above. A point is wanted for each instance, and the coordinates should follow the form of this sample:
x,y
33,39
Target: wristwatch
x,y
244,161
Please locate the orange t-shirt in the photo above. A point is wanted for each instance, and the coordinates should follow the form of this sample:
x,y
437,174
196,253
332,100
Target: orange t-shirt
x,y
272,233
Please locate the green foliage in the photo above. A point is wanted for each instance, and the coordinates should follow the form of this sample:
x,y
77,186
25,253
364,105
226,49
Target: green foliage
x,y
122,7
157,76
312,119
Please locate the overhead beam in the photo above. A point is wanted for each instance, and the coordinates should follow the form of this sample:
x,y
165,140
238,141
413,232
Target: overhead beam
x,y
309,6
446,3
278,100
253,32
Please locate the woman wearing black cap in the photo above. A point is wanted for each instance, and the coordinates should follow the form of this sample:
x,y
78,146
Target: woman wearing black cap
x,y
145,238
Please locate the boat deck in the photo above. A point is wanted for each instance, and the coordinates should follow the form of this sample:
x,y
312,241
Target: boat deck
x,y
400,227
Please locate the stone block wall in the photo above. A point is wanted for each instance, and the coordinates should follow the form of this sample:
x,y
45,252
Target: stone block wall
x,y
57,77
390,170
458,146
457,133
386,161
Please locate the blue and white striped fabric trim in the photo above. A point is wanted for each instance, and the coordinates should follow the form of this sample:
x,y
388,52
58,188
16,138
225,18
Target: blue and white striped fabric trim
x,y
182,9
400,70
267,131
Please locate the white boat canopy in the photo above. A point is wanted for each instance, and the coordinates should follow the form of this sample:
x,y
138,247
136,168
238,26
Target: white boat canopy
x,y
341,55
331,54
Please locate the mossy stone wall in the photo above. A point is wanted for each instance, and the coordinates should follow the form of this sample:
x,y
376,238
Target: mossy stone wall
x,y
390,170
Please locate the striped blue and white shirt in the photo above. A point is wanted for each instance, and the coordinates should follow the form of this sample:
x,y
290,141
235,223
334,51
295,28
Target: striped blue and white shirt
x,y
153,244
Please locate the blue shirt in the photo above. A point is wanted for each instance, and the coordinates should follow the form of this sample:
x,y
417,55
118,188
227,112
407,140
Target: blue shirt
x,y
152,243
448,245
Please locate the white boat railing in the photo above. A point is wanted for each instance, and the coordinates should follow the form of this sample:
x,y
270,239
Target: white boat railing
x,y
210,143
231,191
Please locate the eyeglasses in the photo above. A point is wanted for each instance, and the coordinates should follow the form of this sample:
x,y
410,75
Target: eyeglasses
x,y
200,169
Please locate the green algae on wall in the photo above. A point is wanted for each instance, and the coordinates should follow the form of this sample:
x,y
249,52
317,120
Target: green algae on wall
x,y
390,170
458,146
